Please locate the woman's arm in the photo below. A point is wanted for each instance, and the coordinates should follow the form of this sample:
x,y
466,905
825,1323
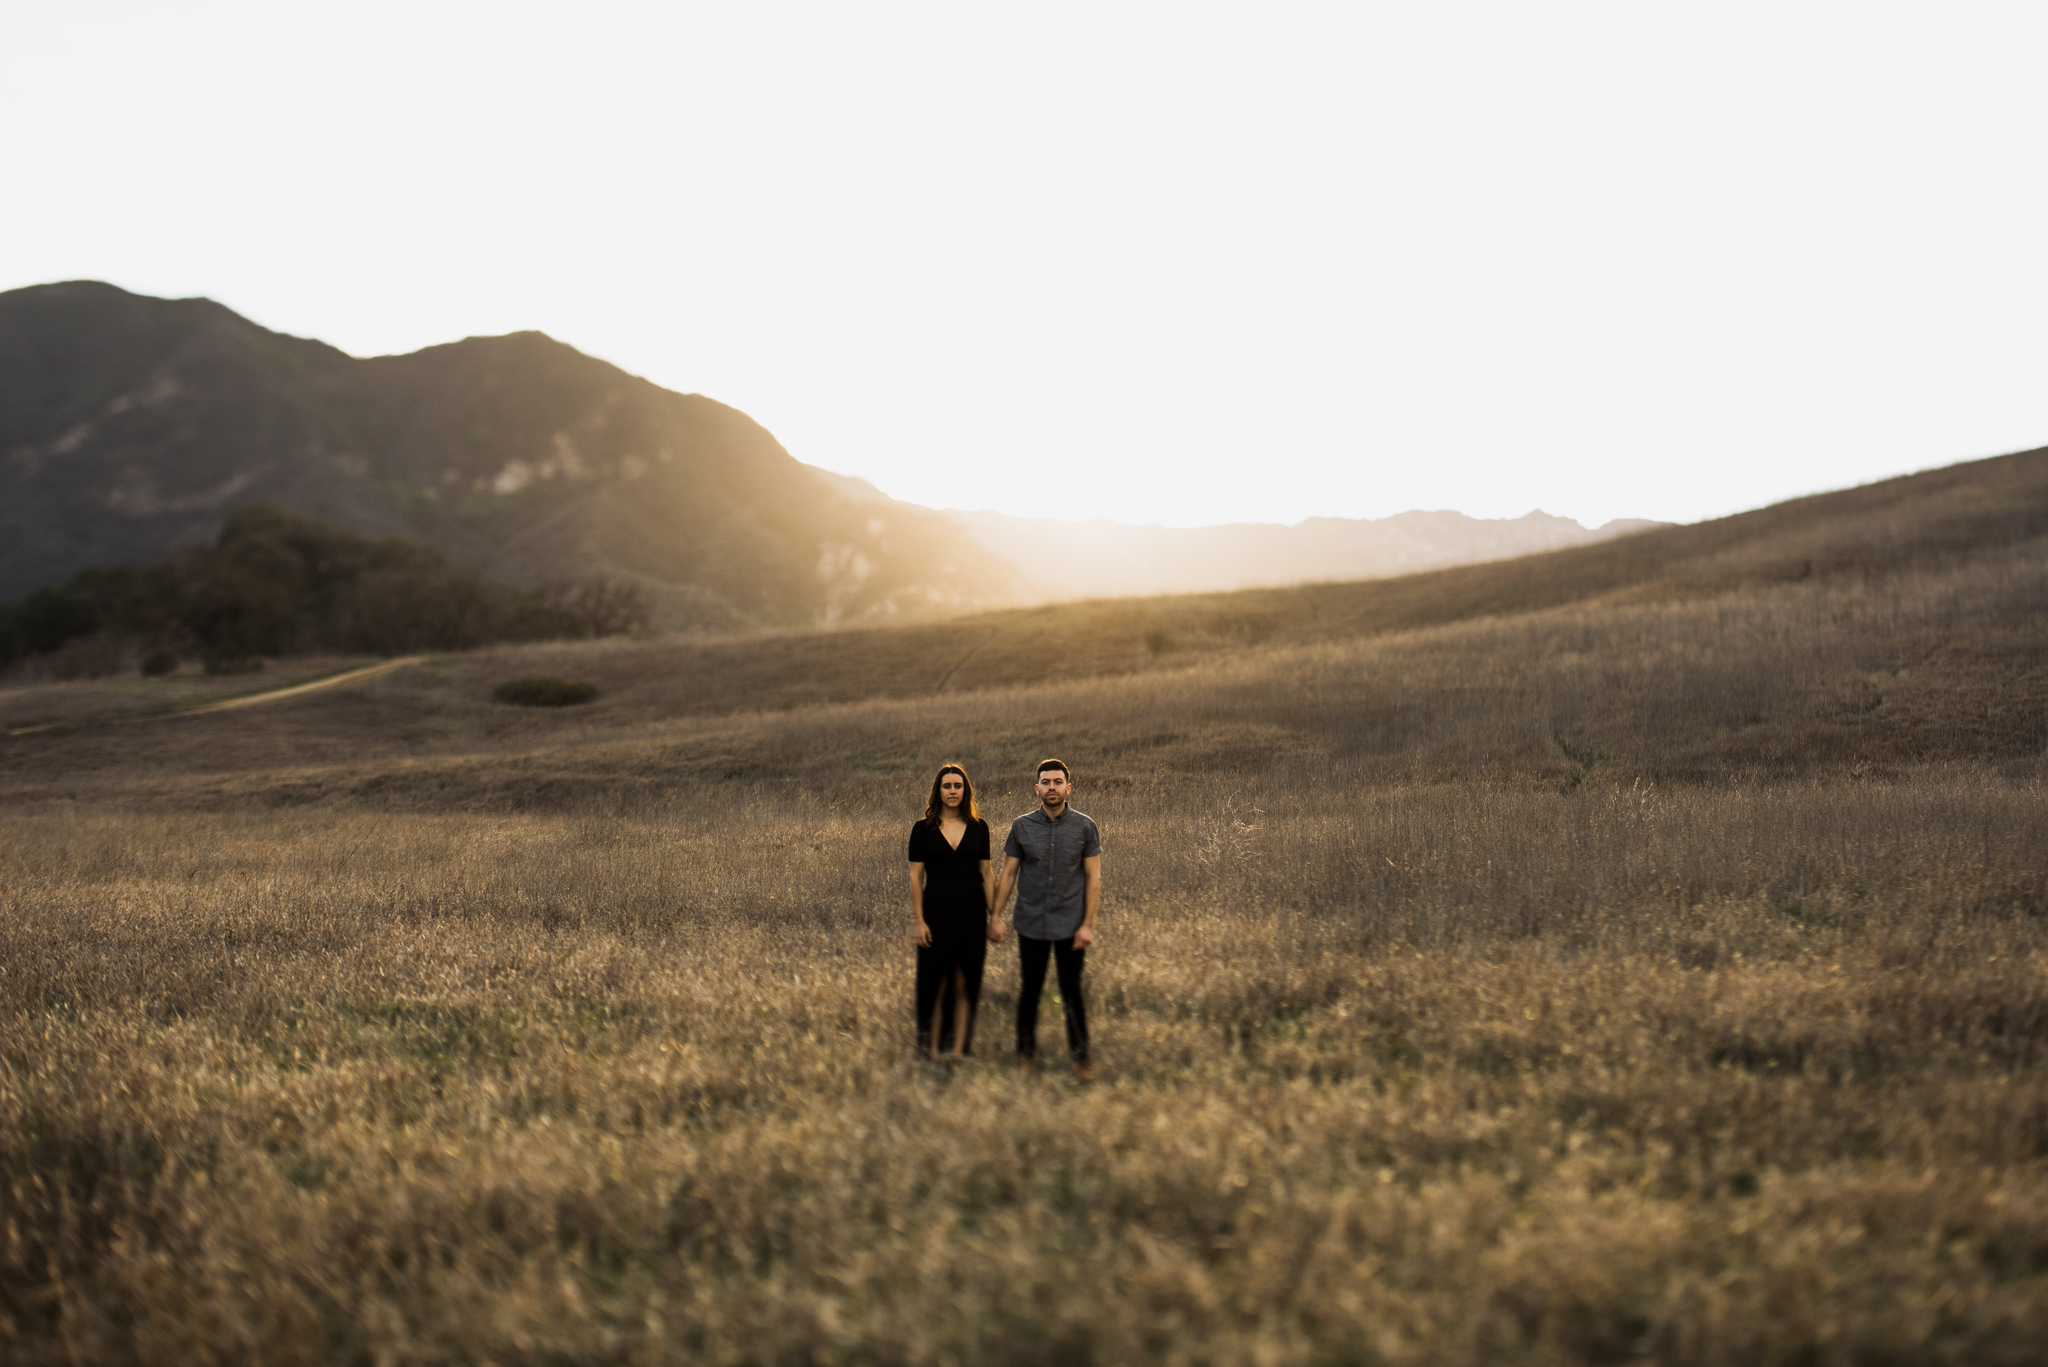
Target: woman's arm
x,y
995,909
988,885
918,929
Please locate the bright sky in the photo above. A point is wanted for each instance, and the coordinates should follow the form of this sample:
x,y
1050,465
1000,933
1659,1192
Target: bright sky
x,y
1170,262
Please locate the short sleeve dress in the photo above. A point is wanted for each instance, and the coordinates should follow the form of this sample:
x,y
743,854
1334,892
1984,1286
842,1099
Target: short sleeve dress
x,y
956,911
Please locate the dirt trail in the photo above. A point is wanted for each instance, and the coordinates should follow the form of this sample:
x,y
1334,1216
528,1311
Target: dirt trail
x,y
278,694
241,700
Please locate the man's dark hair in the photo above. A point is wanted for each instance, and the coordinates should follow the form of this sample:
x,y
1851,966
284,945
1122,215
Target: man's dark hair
x,y
1058,764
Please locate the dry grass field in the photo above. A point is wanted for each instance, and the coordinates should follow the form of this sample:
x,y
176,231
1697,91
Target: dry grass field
x,y
1635,953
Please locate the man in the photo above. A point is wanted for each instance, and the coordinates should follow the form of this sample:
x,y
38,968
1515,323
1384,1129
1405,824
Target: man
x,y
1053,861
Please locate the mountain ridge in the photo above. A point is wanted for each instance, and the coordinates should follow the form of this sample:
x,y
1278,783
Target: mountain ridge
x,y
1099,556
128,426
1067,558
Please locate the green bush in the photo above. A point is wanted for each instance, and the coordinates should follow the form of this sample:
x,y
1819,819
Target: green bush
x,y
542,692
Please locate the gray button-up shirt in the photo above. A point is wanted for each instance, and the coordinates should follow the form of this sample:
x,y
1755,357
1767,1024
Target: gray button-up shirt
x,y
1052,890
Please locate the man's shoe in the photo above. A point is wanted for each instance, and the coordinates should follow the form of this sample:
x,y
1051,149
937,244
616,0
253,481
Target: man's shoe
x,y
1026,1064
1084,1070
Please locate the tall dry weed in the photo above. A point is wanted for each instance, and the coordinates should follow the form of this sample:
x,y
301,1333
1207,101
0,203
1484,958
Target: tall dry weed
x,y
1433,1073
1661,974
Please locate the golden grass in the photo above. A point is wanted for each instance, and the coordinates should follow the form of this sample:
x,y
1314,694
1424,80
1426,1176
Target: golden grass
x,y
1654,976
33,702
1427,1074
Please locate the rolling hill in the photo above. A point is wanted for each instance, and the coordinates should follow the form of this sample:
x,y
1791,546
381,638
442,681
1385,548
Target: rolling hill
x,y
1898,622
1635,952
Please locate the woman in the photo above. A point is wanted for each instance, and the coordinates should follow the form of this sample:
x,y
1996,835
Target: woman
x,y
952,885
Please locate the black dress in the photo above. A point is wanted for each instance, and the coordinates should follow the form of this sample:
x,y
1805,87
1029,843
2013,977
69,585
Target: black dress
x,y
956,913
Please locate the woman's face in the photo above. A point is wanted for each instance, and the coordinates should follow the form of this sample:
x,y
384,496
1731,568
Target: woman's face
x,y
952,788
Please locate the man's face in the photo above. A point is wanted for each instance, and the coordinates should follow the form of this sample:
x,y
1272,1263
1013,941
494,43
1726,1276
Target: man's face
x,y
951,789
1053,789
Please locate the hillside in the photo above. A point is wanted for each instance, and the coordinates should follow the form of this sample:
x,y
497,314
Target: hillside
x,y
128,426
1631,953
1897,622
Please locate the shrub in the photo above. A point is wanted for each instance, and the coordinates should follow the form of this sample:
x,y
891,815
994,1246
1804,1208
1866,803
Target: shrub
x,y
543,692
48,618
277,583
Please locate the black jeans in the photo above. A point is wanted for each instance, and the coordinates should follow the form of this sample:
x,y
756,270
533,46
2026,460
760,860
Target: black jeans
x,y
1070,961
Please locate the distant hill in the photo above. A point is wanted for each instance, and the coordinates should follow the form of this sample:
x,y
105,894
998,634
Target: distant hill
x,y
1902,621
1100,558
1868,539
129,425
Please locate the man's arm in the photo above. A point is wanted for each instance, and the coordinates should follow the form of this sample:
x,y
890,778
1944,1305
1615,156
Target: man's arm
x,y
1091,898
996,929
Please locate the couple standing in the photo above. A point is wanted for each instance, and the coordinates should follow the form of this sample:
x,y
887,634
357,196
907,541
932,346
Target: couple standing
x,y
1052,861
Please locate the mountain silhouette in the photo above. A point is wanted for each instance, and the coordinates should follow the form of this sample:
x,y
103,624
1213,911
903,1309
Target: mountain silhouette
x,y
1097,558
129,425
1064,559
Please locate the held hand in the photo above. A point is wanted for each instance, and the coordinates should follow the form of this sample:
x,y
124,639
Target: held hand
x,y
996,930
924,936
1084,937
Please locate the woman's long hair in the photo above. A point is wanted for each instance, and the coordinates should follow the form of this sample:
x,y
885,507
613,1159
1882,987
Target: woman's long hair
x,y
935,806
